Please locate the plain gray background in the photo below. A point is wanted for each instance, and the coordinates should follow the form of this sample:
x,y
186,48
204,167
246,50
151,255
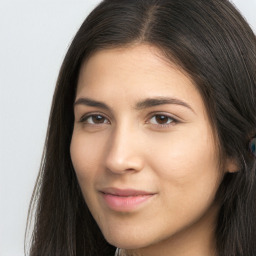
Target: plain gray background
x,y
34,37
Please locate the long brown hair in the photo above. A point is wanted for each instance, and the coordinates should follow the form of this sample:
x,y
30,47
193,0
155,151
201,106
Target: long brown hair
x,y
210,41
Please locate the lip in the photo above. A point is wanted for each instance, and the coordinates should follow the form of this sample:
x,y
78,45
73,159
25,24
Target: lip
x,y
124,200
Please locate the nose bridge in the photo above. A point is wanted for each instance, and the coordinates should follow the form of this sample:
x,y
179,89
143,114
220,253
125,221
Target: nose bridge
x,y
123,149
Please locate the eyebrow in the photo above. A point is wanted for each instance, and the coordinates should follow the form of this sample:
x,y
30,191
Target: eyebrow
x,y
147,103
152,102
91,103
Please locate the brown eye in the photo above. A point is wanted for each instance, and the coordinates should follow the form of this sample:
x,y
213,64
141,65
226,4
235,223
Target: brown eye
x,y
161,120
98,119
95,119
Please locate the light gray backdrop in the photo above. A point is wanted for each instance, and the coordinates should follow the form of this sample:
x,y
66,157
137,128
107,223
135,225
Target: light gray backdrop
x,y
34,37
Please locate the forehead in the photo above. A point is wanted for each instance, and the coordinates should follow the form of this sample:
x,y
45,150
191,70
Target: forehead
x,y
140,67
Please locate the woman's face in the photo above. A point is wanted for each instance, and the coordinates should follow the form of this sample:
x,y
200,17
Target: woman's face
x,y
143,149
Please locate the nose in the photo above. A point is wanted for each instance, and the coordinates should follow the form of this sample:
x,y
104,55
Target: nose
x,y
124,152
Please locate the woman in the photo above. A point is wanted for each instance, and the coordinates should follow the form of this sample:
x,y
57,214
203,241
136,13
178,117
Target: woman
x,y
151,139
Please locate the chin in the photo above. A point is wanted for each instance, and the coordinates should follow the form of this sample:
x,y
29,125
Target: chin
x,y
127,242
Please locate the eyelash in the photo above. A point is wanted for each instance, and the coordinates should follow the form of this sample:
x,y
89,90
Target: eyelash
x,y
84,119
171,121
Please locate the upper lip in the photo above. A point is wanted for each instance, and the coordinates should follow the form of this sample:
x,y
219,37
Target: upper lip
x,y
125,192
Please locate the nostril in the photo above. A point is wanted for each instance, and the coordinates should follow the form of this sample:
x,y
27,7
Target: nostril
x,y
124,165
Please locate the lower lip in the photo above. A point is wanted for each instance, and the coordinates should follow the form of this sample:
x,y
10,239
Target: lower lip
x,y
125,203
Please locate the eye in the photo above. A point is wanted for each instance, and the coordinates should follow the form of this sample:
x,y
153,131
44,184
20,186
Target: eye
x,y
94,119
161,120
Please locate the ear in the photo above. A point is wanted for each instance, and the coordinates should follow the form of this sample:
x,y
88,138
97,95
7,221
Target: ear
x,y
231,165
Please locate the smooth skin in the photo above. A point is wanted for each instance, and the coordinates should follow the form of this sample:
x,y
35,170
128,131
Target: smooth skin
x,y
140,123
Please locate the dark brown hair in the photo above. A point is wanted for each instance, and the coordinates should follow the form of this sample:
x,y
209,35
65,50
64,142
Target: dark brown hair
x,y
215,46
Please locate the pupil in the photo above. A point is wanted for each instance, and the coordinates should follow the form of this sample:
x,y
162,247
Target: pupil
x,y
98,119
161,119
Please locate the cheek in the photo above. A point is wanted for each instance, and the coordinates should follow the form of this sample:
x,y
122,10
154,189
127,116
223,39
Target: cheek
x,y
187,161
83,157
188,176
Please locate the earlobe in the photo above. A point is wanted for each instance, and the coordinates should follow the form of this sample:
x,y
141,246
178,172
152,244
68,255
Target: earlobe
x,y
231,166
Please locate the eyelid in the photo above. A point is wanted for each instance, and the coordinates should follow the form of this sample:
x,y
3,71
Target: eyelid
x,y
84,117
168,115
